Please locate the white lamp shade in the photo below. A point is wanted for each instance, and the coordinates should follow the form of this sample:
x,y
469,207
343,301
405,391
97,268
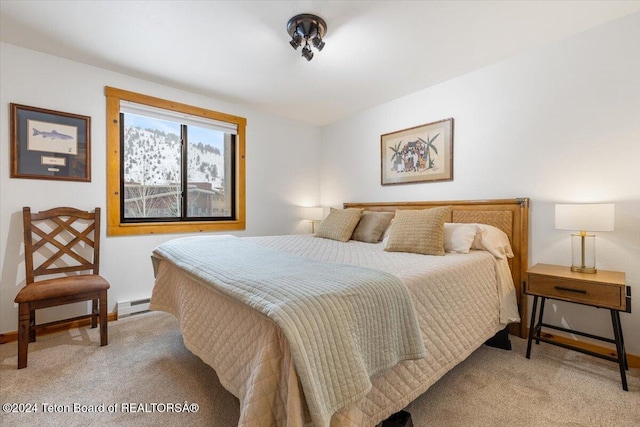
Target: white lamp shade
x,y
585,217
312,213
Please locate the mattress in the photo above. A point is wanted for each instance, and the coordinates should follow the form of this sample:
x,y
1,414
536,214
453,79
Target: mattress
x,y
457,298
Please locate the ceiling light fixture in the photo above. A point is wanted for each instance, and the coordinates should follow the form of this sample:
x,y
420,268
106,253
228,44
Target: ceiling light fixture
x,y
307,30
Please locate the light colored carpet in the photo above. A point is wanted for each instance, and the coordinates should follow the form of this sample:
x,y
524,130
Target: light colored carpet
x,y
146,363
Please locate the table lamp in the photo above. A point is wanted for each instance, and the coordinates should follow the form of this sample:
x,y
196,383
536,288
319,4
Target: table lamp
x,y
313,214
584,218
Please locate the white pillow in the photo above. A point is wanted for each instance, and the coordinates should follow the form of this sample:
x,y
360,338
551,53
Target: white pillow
x,y
493,240
458,237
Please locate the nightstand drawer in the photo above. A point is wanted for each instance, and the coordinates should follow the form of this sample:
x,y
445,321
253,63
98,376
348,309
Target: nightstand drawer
x,y
600,295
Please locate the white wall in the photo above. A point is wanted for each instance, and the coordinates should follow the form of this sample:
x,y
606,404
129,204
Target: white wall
x,y
274,150
560,124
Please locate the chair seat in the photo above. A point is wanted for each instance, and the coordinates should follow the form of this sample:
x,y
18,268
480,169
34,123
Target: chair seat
x,y
61,287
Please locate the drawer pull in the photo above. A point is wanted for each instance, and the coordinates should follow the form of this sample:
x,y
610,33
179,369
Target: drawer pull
x,y
577,291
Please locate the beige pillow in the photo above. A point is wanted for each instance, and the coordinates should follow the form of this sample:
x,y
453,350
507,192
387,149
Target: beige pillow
x,y
418,231
371,226
339,224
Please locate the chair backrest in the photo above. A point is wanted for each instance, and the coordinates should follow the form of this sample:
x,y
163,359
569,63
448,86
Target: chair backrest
x,y
61,240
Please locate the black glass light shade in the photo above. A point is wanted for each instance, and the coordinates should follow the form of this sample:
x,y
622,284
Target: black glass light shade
x,y
318,43
307,53
296,41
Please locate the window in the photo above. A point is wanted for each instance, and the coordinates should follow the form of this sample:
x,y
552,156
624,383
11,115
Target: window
x,y
172,167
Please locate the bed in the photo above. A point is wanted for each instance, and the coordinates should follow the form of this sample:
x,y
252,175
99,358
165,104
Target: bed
x,y
255,356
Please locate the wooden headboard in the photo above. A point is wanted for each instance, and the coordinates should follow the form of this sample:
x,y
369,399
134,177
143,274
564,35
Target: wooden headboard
x,y
509,215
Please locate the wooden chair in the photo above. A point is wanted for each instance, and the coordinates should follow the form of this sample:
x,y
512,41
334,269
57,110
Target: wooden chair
x,y
63,239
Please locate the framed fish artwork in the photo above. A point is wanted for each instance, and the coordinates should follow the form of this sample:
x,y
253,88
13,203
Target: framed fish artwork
x,y
47,144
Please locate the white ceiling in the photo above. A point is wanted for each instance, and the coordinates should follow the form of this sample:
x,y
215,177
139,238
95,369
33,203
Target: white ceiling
x,y
238,51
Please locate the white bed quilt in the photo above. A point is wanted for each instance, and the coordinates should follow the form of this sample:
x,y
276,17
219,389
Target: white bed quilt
x,y
323,309
456,299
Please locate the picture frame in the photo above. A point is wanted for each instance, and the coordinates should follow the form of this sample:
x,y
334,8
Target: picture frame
x,y
422,153
47,144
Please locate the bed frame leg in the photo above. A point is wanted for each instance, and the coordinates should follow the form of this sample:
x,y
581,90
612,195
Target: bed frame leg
x,y
500,340
399,419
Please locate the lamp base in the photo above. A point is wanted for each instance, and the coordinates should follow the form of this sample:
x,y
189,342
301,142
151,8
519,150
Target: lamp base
x,y
589,270
583,253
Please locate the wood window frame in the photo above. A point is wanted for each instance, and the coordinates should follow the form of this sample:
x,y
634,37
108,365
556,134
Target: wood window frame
x,y
114,225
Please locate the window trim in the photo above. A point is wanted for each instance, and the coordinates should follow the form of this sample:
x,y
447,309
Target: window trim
x,y
114,226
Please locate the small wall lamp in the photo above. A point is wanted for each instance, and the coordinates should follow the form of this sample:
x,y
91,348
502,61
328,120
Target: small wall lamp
x,y
313,214
583,218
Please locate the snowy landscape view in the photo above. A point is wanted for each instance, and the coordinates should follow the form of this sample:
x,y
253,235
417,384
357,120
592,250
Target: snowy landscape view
x,y
152,157
152,170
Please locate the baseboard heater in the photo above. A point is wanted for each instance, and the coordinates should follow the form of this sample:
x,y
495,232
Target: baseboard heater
x,y
127,308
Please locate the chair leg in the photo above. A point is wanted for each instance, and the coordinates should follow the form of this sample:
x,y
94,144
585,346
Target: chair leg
x,y
32,325
24,319
103,318
94,313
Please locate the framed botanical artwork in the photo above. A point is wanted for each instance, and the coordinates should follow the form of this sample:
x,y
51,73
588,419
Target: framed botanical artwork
x,y
419,154
48,144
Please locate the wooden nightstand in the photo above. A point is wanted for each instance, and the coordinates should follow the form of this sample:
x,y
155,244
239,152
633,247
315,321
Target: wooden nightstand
x,y
604,289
